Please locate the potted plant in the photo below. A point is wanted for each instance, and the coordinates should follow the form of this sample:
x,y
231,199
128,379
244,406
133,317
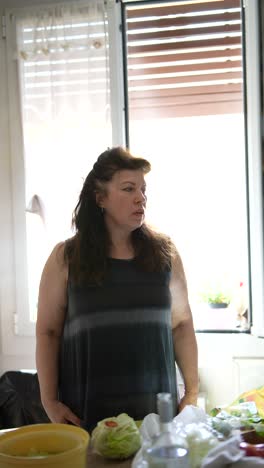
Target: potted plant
x,y
216,311
216,298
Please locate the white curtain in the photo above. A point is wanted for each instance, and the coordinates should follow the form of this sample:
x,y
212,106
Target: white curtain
x,y
62,53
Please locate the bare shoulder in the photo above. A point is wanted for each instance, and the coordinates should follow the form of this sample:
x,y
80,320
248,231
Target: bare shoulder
x,y
52,301
179,292
54,277
56,262
57,254
177,269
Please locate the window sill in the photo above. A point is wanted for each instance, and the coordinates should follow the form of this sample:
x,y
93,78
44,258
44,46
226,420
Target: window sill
x,y
214,330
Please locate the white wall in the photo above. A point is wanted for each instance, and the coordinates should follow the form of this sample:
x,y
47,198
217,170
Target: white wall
x,y
218,372
222,377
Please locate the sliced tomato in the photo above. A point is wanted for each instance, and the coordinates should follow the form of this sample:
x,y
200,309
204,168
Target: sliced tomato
x,y
111,424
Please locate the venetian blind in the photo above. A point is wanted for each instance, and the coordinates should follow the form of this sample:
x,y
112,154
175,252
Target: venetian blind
x,y
184,58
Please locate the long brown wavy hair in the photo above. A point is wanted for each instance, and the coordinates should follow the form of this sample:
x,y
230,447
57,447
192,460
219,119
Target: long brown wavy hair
x,y
87,252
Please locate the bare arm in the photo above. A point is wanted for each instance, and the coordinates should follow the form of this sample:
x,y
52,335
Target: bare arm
x,y
52,305
185,346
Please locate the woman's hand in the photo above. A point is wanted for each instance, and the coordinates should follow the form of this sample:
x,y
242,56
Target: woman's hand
x,y
187,399
60,413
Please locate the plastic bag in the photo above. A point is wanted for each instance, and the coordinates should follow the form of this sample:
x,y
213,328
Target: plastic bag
x,y
20,403
252,396
190,423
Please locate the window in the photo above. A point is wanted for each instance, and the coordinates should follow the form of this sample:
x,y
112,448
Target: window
x,y
186,114
185,84
64,80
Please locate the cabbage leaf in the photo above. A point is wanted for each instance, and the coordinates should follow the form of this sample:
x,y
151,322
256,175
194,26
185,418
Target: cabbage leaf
x,y
116,437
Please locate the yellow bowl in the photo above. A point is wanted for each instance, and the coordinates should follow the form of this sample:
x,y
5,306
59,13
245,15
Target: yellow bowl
x,y
55,446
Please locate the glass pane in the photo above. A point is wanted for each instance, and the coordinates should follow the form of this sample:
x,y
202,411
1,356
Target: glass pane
x,y
66,121
197,186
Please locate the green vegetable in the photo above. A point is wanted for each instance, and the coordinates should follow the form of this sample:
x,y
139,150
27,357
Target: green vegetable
x,y
215,411
116,437
259,428
222,426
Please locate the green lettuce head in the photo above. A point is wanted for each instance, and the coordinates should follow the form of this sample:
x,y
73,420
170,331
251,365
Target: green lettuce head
x,y
116,437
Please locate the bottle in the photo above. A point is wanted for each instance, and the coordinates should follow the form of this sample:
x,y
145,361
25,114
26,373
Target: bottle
x,y
168,450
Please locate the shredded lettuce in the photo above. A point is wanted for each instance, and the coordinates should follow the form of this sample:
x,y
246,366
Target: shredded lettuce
x,y
116,437
33,452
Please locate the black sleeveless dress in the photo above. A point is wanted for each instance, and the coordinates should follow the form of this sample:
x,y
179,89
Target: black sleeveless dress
x,y
117,349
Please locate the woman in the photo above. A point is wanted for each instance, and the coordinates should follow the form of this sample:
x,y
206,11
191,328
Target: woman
x,y
113,311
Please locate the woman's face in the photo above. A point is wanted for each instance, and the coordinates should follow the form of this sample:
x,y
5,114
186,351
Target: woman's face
x,y
125,200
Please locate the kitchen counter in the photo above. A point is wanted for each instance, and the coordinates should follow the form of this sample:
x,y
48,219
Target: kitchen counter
x,y
95,461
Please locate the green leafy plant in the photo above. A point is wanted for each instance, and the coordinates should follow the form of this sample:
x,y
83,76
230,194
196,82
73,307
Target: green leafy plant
x,y
215,296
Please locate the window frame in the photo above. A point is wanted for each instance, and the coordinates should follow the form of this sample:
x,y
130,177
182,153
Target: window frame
x,y
253,154
254,164
21,323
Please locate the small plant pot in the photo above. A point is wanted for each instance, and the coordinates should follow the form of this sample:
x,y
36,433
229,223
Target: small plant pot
x,y
218,305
